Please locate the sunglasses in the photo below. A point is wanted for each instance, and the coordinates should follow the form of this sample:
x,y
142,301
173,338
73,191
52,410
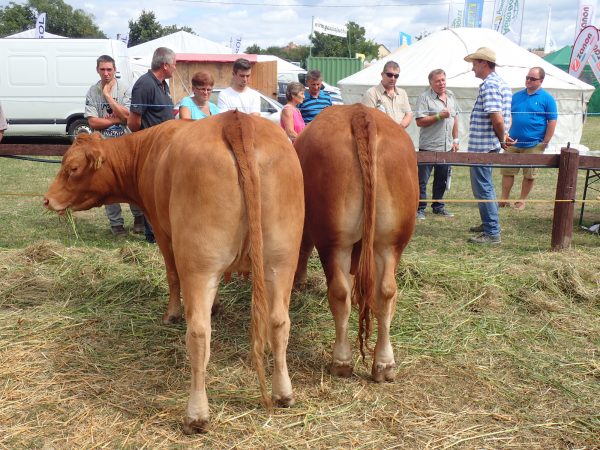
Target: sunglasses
x,y
533,79
392,75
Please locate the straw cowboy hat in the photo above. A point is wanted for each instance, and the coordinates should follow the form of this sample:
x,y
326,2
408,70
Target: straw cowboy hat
x,y
487,54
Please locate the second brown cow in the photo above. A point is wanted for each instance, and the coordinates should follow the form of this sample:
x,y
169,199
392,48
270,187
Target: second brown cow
x,y
361,193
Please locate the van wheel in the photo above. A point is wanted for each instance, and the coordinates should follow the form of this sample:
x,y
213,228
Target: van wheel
x,y
78,126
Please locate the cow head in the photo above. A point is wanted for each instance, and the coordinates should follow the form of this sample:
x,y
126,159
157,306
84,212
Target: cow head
x,y
81,183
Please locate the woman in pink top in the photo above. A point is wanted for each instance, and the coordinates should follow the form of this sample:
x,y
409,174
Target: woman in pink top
x,y
291,119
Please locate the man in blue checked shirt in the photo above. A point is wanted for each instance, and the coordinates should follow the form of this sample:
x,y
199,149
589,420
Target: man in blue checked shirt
x,y
315,99
490,119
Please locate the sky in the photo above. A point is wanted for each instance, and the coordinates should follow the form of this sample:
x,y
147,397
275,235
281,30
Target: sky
x,y
279,22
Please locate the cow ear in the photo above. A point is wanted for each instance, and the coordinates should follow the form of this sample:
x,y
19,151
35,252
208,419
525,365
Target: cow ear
x,y
94,157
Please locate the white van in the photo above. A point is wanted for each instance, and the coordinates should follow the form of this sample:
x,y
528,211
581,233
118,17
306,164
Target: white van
x,y
43,82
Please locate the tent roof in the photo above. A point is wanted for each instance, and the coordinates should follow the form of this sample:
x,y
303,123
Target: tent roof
x,y
446,49
560,57
179,42
198,57
282,64
30,34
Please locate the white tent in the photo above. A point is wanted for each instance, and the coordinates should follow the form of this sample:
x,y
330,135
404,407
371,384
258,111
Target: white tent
x,y
179,42
30,34
446,50
286,71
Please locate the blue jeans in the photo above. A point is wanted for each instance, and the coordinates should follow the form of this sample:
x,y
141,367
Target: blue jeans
x,y
440,182
483,189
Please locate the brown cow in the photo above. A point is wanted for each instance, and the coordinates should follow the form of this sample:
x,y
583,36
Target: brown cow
x,y
223,194
361,193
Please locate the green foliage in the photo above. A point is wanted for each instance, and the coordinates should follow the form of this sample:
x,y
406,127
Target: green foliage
x,y
328,45
61,18
290,52
147,28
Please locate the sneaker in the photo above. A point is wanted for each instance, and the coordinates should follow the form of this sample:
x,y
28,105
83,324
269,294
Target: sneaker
x,y
138,225
476,229
119,231
484,239
443,212
420,215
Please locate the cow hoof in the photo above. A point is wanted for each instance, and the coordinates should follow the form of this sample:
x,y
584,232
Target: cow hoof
x,y
341,369
283,402
171,320
195,426
383,372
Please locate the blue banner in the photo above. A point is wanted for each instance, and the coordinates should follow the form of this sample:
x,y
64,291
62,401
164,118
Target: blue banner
x,y
473,13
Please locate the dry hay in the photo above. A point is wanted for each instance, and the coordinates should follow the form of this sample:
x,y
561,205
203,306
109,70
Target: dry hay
x,y
486,359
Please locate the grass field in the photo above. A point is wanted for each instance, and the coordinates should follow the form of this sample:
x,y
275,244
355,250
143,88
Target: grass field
x,y
496,347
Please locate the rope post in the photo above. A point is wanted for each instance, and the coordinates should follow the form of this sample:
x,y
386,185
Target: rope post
x,y
566,188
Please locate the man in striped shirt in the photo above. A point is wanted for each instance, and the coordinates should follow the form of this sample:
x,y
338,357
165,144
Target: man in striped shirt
x,y
315,99
490,119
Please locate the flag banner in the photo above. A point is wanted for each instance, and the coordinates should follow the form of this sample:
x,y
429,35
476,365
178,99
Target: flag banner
x,y
595,62
507,19
236,44
405,39
585,15
550,43
582,49
473,13
329,28
455,16
124,38
40,26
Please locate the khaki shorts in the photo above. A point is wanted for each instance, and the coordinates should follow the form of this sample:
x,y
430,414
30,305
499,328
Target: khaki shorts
x,y
530,173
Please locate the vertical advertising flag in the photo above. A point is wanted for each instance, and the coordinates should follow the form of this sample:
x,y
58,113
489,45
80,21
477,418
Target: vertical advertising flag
x,y
595,62
473,13
455,16
582,49
586,14
549,43
508,18
40,26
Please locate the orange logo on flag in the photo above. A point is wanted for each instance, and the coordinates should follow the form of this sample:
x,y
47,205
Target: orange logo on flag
x,y
575,64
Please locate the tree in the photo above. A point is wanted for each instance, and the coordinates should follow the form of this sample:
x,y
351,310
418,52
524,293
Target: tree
x,y
147,28
61,19
328,45
254,49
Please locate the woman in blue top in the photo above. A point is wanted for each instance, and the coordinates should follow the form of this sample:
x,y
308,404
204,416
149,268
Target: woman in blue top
x,y
197,106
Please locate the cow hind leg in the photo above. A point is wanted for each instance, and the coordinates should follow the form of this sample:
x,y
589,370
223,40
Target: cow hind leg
x,y
384,365
306,249
280,286
337,271
199,293
173,314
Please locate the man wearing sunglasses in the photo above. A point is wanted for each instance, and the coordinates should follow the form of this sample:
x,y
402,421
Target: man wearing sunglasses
x,y
107,109
389,98
534,116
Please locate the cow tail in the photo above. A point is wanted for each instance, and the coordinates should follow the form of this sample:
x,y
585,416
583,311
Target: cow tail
x,y
364,130
239,133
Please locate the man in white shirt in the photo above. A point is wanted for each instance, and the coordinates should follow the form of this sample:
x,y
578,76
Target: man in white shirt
x,y
239,95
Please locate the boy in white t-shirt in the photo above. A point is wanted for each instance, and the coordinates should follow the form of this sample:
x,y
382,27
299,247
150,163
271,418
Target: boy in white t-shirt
x,y
239,95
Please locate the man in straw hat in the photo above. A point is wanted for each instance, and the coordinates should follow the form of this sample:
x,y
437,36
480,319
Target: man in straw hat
x,y
490,119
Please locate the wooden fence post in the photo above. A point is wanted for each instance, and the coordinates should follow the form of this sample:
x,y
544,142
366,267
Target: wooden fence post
x,y
566,188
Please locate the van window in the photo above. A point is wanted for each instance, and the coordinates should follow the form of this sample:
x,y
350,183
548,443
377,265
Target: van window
x,y
27,71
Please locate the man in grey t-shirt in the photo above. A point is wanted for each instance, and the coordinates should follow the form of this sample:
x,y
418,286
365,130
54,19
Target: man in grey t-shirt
x,y
107,109
437,119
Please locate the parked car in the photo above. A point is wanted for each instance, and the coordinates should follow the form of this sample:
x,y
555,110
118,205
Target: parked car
x,y
269,108
334,93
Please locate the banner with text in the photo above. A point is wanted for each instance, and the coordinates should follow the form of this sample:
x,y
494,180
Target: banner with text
x,y
40,26
508,18
582,49
473,13
455,16
329,28
585,15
